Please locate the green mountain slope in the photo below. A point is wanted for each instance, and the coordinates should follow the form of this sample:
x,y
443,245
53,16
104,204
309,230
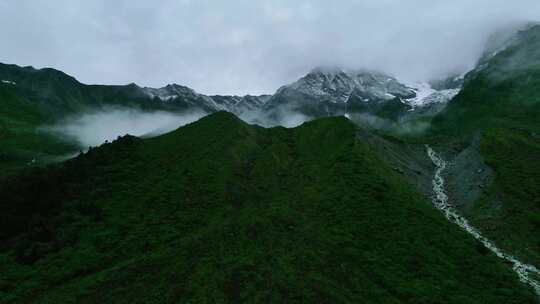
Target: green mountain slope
x,y
504,91
221,211
500,108
21,142
55,94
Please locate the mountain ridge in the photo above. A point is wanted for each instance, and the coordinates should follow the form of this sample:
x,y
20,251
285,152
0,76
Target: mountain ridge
x,y
234,212
333,85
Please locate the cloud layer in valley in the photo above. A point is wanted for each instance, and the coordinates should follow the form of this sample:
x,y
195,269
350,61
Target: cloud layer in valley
x,y
241,46
93,129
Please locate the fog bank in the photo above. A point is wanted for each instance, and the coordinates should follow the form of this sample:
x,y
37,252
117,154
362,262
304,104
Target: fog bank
x,y
93,129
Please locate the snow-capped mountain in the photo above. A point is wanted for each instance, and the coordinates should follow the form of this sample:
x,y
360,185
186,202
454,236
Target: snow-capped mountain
x,y
322,92
242,105
174,94
336,92
336,85
170,92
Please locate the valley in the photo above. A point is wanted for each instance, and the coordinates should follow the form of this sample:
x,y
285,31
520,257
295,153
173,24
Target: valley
x,y
528,274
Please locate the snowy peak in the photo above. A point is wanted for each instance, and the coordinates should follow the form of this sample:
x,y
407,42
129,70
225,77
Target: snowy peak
x,y
380,86
171,91
241,105
337,85
182,95
335,92
178,95
334,84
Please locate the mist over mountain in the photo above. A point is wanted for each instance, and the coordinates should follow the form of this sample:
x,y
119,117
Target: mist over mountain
x,y
90,114
94,128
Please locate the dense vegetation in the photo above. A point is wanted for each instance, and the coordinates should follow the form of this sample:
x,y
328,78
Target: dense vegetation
x,y
509,210
220,211
21,142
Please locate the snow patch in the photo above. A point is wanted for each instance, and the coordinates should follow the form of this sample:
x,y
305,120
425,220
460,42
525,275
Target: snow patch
x,y
166,97
425,95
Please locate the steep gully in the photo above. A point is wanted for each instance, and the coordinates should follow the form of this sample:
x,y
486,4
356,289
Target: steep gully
x,y
528,274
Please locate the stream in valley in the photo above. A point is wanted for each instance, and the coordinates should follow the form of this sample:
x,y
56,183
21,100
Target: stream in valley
x,y
528,274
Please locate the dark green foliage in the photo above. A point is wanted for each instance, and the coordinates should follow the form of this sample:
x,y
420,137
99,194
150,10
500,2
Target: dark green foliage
x,y
20,141
220,211
55,94
509,211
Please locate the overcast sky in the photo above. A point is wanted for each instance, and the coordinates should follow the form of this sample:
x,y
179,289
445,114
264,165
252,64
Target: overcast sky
x,y
249,46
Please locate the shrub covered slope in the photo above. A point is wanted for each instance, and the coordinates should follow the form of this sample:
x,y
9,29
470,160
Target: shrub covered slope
x,y
221,211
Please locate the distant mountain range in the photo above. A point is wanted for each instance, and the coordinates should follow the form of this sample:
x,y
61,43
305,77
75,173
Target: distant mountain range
x,y
321,93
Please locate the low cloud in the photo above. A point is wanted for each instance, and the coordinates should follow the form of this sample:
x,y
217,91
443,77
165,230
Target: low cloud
x,y
284,117
93,129
411,127
293,119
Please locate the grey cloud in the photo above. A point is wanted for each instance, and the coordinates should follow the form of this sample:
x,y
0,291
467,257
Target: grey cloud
x,y
246,46
94,128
